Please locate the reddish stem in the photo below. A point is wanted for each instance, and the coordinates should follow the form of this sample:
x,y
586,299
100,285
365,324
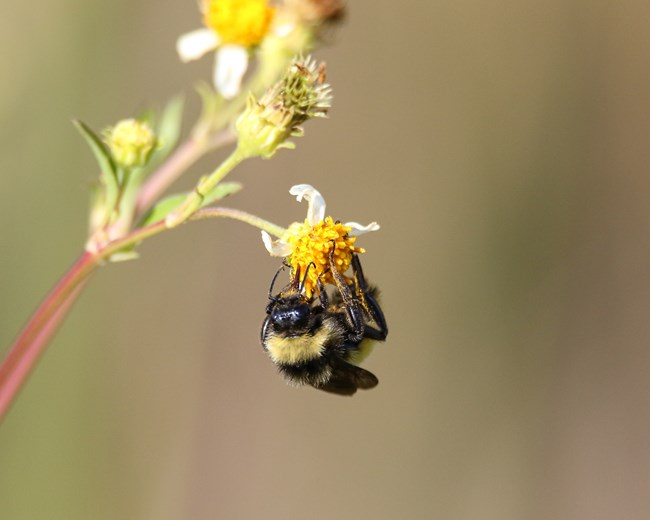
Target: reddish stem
x,y
31,342
34,338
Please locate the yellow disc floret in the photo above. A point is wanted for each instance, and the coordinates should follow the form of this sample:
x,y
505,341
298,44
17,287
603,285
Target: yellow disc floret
x,y
239,22
313,244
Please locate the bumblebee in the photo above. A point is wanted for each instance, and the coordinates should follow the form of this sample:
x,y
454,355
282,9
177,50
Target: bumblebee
x,y
320,340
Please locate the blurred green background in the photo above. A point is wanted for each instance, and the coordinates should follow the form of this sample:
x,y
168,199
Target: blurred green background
x,y
504,148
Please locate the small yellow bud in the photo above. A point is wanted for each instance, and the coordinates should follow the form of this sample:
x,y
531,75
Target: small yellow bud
x,y
130,142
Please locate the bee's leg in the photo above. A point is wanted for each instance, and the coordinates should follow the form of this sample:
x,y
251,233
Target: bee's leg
x,y
294,283
359,284
359,278
374,334
377,315
370,303
353,311
264,331
324,299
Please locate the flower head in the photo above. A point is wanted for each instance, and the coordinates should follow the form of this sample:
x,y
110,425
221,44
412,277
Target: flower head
x,y
130,142
307,245
265,125
238,22
232,28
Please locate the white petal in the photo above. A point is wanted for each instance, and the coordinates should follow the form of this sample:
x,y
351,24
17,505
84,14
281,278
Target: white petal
x,y
316,211
229,69
358,229
284,29
277,247
193,45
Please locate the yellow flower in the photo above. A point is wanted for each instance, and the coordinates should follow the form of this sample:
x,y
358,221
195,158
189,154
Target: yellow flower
x,y
238,22
308,244
232,28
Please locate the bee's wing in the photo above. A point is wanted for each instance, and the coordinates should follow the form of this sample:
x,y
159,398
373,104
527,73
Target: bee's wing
x,y
346,379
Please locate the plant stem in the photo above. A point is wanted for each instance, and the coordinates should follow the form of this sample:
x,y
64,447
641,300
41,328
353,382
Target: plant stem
x,y
183,157
35,336
242,216
33,339
195,199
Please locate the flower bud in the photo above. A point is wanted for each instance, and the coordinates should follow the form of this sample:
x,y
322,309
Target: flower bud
x,y
130,142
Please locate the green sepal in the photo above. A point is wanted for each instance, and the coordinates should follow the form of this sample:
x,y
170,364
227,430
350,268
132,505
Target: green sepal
x,y
108,177
169,204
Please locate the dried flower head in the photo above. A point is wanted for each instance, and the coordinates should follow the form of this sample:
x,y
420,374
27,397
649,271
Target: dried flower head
x,y
265,125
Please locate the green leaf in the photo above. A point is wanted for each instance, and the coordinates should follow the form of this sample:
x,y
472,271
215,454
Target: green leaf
x,y
108,177
124,256
221,191
162,209
102,155
148,116
210,99
169,204
171,122
167,127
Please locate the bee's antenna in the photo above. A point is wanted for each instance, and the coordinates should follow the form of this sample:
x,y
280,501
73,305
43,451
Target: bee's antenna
x,y
304,278
271,297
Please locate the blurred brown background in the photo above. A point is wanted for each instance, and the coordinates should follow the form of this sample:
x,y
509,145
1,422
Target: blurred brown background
x,y
504,148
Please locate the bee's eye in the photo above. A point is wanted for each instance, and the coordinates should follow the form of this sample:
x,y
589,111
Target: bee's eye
x,y
290,316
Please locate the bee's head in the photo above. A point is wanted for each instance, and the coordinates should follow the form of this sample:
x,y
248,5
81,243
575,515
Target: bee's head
x,y
289,312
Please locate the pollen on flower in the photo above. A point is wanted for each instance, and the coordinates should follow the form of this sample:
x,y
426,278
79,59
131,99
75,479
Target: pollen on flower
x,y
239,22
312,244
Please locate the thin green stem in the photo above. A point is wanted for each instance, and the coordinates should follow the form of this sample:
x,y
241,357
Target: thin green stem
x,y
138,235
195,199
242,216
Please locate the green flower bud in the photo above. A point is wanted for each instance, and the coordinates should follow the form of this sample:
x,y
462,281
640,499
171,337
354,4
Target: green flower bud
x,y
130,142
